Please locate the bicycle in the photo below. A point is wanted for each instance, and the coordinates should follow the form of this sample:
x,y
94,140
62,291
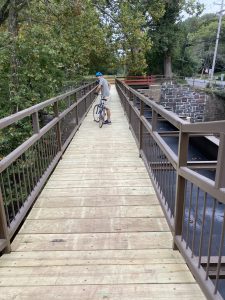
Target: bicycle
x,y
99,112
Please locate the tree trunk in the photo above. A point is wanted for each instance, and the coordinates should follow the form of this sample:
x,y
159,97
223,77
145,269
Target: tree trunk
x,y
13,31
167,66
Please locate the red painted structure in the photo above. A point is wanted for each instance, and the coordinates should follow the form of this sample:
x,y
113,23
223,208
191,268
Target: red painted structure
x,y
140,80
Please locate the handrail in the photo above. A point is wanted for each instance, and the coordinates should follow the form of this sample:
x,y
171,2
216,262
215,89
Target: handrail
x,y
191,193
206,127
25,170
35,108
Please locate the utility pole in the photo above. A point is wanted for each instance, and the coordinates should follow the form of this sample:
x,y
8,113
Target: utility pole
x,y
217,39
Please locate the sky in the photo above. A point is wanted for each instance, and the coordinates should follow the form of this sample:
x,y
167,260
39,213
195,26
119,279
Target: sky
x,y
210,6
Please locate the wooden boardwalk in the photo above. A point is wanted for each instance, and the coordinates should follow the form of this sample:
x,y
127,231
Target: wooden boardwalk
x,y
97,230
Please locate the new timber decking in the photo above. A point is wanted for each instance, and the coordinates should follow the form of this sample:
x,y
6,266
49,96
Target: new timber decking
x,y
97,230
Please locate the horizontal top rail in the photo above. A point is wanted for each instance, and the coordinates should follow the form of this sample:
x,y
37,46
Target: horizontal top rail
x,y
29,111
205,127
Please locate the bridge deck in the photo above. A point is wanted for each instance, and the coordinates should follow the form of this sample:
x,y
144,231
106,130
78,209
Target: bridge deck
x,y
97,230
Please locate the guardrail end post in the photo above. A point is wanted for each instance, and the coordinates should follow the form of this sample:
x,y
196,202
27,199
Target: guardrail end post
x,y
180,186
4,234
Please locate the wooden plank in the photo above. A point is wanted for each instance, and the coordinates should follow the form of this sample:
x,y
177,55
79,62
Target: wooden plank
x,y
94,225
101,257
93,201
110,170
104,274
85,177
100,164
95,183
105,292
96,212
92,241
112,191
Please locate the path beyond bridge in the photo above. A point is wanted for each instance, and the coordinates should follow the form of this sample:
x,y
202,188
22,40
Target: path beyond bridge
x,y
97,230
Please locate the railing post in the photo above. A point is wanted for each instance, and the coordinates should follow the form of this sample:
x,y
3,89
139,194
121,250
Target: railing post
x,y
141,126
4,234
130,101
154,120
58,127
180,185
35,122
220,169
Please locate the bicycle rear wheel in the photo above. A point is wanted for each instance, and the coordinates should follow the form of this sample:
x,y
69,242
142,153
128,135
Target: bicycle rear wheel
x,y
96,110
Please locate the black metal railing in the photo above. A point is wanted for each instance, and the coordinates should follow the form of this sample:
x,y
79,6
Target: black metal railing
x,y
191,190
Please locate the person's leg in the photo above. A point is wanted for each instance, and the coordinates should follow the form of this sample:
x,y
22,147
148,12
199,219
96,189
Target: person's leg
x,y
108,112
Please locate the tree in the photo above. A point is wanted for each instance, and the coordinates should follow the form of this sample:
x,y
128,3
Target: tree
x,y
127,24
45,43
202,43
164,31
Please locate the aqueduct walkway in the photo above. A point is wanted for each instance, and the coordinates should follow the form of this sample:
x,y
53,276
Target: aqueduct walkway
x,y
97,230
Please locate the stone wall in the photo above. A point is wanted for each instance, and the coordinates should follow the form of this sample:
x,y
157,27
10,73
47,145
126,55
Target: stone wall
x,y
184,101
187,102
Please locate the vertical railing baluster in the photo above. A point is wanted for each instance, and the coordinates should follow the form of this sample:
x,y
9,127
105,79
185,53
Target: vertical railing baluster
x,y
58,127
19,178
189,216
195,222
31,168
184,206
141,126
24,175
220,254
10,193
40,157
28,175
16,190
210,239
202,231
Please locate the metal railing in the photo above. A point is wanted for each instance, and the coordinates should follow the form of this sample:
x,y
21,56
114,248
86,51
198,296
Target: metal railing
x,y
26,169
191,190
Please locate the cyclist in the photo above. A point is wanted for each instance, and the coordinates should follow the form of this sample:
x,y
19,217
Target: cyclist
x,y
104,87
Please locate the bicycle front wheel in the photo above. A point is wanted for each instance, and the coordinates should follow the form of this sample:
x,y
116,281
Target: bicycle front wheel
x,y
96,110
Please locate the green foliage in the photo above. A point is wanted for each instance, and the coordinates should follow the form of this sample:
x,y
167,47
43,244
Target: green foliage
x,y
127,23
168,34
202,38
57,41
